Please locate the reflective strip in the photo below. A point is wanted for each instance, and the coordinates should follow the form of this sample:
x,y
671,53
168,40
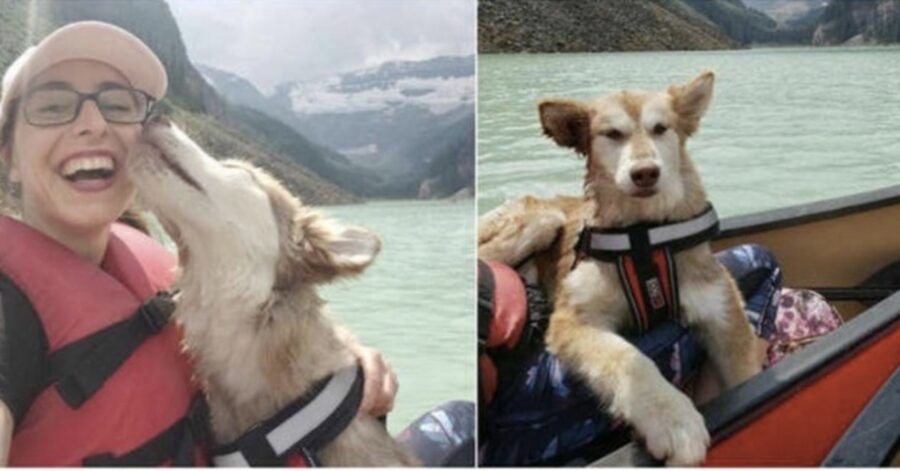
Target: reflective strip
x,y
231,460
292,430
615,242
681,230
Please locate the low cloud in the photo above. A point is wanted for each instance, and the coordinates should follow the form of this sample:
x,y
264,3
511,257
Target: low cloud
x,y
270,42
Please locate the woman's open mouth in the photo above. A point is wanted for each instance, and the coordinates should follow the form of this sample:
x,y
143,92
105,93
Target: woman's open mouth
x,y
90,172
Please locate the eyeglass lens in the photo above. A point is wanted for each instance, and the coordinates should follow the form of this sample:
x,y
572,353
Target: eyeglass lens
x,y
117,105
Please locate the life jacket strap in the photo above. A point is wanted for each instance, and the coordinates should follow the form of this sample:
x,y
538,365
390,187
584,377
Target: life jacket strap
x,y
295,433
80,368
644,255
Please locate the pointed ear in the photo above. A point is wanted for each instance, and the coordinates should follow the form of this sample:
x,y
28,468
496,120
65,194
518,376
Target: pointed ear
x,y
568,123
352,249
690,101
325,250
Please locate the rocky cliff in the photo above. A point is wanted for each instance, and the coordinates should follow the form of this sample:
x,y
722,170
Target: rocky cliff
x,y
858,22
594,26
620,25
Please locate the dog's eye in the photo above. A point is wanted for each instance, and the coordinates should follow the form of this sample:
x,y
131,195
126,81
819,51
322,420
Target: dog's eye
x,y
660,129
614,134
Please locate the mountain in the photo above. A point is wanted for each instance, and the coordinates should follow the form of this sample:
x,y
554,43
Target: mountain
x,y
594,26
624,25
224,129
378,118
744,25
858,22
233,87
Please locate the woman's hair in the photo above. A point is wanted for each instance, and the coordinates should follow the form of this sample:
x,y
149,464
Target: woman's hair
x,y
7,199
6,133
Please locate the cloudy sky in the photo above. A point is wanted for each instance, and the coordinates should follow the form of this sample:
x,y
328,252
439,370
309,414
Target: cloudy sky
x,y
273,41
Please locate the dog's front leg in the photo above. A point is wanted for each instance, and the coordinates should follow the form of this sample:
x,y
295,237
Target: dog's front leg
x,y
716,312
632,386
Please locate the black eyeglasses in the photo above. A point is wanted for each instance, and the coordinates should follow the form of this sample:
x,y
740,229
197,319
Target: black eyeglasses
x,y
56,106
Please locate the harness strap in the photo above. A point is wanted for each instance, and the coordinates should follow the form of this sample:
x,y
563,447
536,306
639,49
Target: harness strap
x,y
175,446
80,368
644,255
296,432
607,244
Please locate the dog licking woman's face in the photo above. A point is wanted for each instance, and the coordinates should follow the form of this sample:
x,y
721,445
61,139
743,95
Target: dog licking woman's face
x,y
231,207
634,140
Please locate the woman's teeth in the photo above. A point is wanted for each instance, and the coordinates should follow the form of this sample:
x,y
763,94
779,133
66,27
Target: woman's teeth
x,y
89,168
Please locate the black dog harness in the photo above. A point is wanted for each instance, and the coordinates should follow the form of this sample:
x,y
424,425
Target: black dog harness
x,y
645,256
294,435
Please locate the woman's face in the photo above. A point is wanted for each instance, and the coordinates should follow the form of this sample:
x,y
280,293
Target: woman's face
x,y
73,175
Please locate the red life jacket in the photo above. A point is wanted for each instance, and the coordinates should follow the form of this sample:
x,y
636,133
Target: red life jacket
x,y
145,396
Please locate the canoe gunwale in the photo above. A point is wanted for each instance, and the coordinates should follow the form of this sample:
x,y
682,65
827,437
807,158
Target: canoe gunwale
x,y
808,212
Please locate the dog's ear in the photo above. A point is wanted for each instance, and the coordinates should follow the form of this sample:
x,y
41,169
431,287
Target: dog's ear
x,y
690,101
325,250
352,249
568,123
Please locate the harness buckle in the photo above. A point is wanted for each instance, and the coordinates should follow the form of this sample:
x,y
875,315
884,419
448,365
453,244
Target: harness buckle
x,y
156,312
654,290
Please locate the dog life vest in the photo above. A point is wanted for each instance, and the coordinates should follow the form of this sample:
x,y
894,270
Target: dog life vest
x,y
645,257
292,436
110,352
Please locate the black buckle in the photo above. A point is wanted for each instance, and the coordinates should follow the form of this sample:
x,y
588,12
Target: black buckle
x,y
156,311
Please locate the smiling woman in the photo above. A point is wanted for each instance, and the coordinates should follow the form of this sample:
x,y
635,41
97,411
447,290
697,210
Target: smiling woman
x,y
67,132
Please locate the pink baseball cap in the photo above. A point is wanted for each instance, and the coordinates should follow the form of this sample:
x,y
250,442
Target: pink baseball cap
x,y
90,40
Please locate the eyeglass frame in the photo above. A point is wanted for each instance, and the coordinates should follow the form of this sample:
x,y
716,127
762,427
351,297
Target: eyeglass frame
x,y
83,97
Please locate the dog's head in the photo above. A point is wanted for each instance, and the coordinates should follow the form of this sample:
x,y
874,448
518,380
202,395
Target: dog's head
x,y
633,140
239,217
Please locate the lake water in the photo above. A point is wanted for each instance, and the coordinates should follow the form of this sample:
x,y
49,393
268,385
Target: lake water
x,y
786,126
416,303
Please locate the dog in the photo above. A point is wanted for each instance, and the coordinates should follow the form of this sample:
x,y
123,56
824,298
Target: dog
x,y
250,258
637,171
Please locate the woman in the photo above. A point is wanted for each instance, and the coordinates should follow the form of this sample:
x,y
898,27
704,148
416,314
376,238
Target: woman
x,y
70,109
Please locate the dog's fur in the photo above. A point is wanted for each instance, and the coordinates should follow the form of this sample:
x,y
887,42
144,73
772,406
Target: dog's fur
x,y
617,135
251,256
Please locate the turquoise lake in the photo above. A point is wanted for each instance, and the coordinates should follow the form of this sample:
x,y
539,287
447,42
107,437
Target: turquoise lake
x,y
786,126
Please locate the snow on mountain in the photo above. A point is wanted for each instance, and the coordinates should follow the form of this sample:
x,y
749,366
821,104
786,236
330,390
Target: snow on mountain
x,y
369,114
438,95
378,118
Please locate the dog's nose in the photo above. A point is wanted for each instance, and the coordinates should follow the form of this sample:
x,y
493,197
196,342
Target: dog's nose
x,y
645,177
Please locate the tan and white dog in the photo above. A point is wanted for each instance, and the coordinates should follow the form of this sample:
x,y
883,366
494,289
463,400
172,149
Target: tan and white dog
x,y
638,170
251,256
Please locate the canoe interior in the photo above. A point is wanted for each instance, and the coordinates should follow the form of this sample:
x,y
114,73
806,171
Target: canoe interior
x,y
838,243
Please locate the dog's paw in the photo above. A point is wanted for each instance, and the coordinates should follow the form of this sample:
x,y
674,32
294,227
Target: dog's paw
x,y
673,430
